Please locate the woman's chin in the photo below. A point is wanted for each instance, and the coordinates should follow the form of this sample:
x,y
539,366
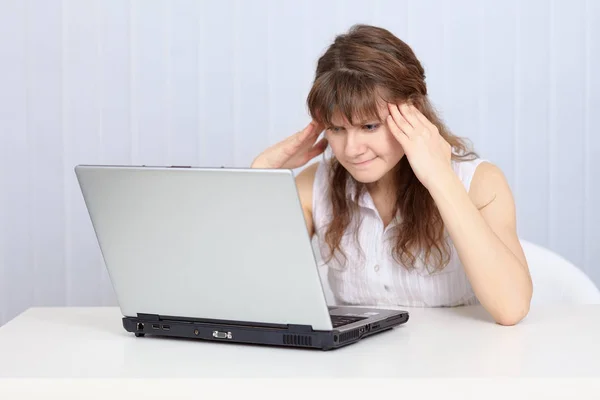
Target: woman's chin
x,y
367,176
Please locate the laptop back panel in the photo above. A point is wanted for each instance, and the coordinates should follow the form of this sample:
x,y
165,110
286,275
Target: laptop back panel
x,y
206,243
276,335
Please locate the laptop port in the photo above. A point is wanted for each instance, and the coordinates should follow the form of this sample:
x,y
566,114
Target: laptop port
x,y
166,327
222,335
375,326
140,326
155,326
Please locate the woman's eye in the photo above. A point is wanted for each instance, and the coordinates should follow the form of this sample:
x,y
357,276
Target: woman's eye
x,y
335,129
371,127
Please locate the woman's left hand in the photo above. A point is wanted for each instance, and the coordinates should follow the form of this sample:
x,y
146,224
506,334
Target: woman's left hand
x,y
428,153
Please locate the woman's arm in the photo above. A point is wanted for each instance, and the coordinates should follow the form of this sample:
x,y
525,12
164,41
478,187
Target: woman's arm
x,y
304,183
485,235
482,225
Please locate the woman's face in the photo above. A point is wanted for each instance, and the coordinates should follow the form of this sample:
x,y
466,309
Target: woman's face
x,y
367,149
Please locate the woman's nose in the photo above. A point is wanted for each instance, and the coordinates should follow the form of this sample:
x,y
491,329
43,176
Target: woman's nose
x,y
354,145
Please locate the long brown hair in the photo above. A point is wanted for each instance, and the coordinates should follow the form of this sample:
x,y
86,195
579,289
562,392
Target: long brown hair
x,y
360,69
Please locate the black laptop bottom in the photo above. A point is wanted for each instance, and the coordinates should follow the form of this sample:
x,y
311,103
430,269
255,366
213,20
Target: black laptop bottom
x,y
261,334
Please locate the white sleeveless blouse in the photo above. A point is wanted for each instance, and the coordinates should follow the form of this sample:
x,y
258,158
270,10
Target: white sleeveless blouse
x,y
372,276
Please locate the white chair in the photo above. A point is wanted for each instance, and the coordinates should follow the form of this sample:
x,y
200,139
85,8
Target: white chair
x,y
556,280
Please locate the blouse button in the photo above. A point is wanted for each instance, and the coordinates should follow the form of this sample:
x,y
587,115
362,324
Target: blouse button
x,y
376,268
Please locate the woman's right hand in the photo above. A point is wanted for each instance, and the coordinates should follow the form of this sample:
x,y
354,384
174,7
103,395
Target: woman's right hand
x,y
294,151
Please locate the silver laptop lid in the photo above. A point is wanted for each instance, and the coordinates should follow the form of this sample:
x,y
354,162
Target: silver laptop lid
x,y
227,244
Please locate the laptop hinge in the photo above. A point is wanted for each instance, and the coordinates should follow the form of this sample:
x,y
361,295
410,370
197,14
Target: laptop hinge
x,y
148,317
300,328
291,327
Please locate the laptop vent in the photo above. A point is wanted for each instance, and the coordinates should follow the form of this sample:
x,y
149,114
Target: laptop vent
x,y
344,337
297,340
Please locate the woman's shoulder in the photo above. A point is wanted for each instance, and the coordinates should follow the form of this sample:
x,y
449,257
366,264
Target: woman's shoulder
x,y
313,188
465,168
316,175
305,182
482,179
488,183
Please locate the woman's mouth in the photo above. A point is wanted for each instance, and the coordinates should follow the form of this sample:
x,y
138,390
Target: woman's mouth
x,y
363,163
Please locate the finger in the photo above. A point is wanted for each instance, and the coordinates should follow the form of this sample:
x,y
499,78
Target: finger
x,y
312,131
321,144
318,148
397,132
310,135
410,116
318,127
302,135
400,121
305,138
423,119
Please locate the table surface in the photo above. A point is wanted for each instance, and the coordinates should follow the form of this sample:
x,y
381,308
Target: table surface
x,y
448,342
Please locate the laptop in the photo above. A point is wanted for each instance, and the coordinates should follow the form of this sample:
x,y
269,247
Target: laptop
x,y
217,254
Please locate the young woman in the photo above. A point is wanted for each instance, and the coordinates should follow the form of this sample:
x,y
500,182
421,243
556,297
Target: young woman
x,y
404,214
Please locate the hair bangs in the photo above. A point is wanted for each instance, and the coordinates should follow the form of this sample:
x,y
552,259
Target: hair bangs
x,y
347,96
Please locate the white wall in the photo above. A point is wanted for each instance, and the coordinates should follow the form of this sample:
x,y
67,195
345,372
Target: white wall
x,y
215,82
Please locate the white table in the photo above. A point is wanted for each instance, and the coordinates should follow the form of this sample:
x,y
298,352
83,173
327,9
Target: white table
x,y
553,342
459,342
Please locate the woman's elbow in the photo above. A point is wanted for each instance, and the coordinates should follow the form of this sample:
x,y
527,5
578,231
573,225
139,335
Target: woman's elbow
x,y
513,315
516,309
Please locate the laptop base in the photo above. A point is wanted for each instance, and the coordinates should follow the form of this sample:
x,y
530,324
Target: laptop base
x,y
261,334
